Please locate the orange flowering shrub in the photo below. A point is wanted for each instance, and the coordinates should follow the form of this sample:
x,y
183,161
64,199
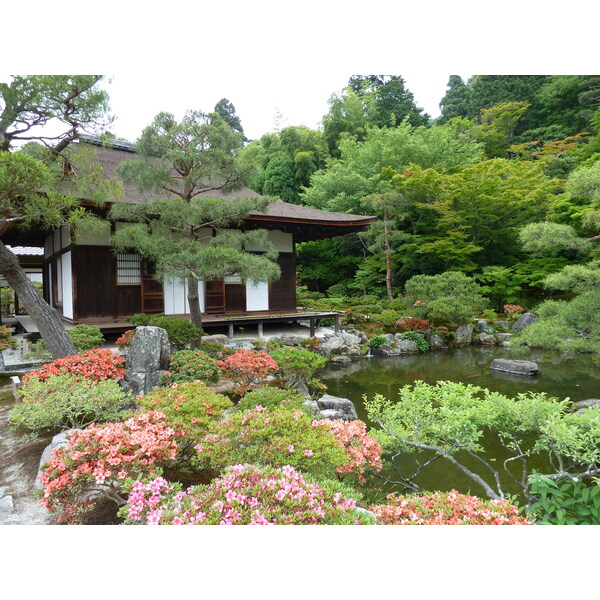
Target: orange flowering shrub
x,y
247,368
94,364
447,508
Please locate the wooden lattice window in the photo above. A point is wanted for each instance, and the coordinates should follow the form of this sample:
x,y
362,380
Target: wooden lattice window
x,y
129,269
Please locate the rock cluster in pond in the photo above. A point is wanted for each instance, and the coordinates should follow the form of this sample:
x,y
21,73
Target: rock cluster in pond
x,y
6,506
147,359
334,407
515,367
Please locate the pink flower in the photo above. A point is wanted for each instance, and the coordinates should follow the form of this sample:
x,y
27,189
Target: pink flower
x,y
308,452
291,448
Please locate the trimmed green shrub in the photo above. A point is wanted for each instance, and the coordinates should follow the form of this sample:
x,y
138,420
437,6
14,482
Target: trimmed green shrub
x,y
191,365
84,338
272,397
297,365
67,401
422,343
182,333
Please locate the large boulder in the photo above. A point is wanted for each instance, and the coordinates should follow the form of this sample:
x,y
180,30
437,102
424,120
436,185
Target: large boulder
x,y
58,441
484,327
342,343
334,407
436,342
407,346
147,359
463,335
516,367
488,339
6,508
385,350
525,320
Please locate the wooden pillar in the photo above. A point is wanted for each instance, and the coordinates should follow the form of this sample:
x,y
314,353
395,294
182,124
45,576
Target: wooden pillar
x,y
230,331
311,320
260,330
336,323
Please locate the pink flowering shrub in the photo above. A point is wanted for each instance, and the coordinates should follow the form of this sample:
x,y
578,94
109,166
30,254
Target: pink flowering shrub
x,y
312,343
361,449
244,495
6,338
277,437
94,364
511,309
247,368
97,460
447,508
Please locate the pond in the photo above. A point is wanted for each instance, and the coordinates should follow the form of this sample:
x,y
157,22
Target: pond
x,y
577,379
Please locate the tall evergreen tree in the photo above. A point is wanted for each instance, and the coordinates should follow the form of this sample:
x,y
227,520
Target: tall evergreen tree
x,y
456,101
226,110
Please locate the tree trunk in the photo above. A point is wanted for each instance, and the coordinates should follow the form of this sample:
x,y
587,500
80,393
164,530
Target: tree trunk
x,y
194,302
44,316
388,258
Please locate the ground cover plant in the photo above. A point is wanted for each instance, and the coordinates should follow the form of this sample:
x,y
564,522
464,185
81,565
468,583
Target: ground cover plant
x,y
244,495
297,365
272,397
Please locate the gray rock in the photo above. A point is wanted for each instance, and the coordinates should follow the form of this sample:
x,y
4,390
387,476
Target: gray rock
x,y
504,325
221,338
334,407
6,508
385,350
436,342
463,335
343,358
391,338
290,340
341,343
516,367
485,338
302,389
58,441
484,326
524,321
333,345
407,347
147,358
312,406
584,405
504,337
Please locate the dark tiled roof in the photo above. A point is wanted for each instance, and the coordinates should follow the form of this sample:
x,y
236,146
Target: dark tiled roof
x,y
111,158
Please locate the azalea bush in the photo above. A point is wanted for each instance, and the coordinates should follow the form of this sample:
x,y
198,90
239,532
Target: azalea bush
x,y
188,408
97,460
312,343
362,450
7,341
446,508
275,437
245,495
246,368
272,397
66,401
124,340
191,365
412,324
297,365
93,365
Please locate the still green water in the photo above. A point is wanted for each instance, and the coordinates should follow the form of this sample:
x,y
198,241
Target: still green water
x,y
577,379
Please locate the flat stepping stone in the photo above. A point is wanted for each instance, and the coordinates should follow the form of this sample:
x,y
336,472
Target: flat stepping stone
x,y
516,367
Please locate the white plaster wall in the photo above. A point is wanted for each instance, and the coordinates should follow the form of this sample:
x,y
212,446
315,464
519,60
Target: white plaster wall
x,y
65,233
67,286
175,295
257,295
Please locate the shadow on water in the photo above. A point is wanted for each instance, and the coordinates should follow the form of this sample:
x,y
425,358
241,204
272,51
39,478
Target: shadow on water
x,y
577,379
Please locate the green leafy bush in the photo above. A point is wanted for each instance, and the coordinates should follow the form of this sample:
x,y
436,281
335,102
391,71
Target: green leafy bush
x,y
387,319
422,343
451,297
272,397
275,437
66,402
182,333
84,338
297,365
565,501
376,341
191,365
216,350
188,408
